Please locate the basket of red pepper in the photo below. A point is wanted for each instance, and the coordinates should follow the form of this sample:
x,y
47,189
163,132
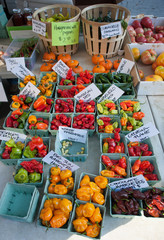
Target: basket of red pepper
x,y
107,125
153,203
29,172
59,119
68,91
42,104
64,105
68,80
113,143
11,151
146,166
114,167
37,124
15,121
36,147
84,78
84,121
85,107
143,148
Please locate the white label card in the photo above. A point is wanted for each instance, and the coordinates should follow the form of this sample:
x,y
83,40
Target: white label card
x,y
72,134
53,158
142,133
3,97
89,93
111,30
13,62
113,93
133,182
61,68
30,90
21,72
125,66
39,27
6,135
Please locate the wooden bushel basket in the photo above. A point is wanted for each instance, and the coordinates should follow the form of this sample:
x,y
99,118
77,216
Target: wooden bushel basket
x,y
92,33
49,11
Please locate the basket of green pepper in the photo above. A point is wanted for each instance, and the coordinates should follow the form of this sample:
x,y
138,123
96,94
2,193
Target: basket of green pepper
x,y
29,171
11,151
95,16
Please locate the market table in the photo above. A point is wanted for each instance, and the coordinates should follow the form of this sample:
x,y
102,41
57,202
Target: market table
x,y
114,228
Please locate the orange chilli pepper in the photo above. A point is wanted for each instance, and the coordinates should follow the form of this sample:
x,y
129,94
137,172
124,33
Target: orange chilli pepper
x,y
98,198
101,181
65,174
60,189
79,210
65,205
55,171
49,203
58,221
55,178
88,210
85,181
46,214
93,230
58,211
41,126
84,193
55,202
51,188
96,217
80,224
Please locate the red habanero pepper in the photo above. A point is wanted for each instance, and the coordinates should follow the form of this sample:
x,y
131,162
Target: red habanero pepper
x,y
137,150
144,147
42,153
151,176
9,122
117,149
31,126
136,165
131,151
138,115
140,172
46,121
144,165
111,150
150,169
49,101
116,137
117,130
122,162
48,108
153,211
6,155
147,153
107,161
123,106
158,204
40,119
122,147
15,124
111,142
119,170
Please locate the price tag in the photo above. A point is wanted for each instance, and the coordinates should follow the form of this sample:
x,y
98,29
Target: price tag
x,y
61,68
53,158
89,93
142,133
6,135
30,90
125,66
113,93
65,33
72,134
13,62
133,182
21,72
111,30
39,27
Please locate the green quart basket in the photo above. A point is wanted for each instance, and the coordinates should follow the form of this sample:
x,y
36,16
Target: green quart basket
x,y
18,202
37,184
48,196
71,227
76,147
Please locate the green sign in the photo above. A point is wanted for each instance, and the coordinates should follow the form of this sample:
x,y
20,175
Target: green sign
x,y
65,33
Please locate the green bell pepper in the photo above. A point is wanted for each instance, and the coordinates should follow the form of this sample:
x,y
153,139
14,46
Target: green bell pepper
x,y
28,100
16,153
115,125
132,121
136,107
28,153
11,143
34,177
22,176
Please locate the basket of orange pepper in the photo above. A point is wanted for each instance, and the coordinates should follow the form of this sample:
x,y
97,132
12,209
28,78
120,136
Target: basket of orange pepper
x,y
48,77
92,188
60,182
37,124
27,79
21,101
42,104
87,219
55,212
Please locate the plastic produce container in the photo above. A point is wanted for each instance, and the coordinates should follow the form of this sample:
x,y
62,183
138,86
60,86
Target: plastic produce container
x,y
34,110
37,184
15,45
71,227
92,176
45,197
18,202
75,147
153,161
71,193
63,99
115,157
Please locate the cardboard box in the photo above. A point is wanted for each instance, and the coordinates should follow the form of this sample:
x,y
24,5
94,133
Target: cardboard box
x,y
19,31
145,88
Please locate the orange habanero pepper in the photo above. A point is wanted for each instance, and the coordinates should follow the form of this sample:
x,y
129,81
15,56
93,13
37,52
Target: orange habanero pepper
x,y
46,214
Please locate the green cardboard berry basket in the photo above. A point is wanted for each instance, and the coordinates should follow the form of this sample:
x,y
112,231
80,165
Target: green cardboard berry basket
x,y
92,176
18,130
53,90
152,160
48,196
34,110
54,132
123,215
18,202
86,85
18,166
122,100
104,75
8,162
42,74
38,132
76,102
113,119
71,227
13,109
74,148
62,88
115,157
90,131
124,86
60,78
71,193
21,88
146,141
110,114
64,99
111,135
46,141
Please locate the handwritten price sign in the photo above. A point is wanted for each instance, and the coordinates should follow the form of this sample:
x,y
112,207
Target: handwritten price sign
x,y
39,27
21,72
125,66
113,93
72,134
111,30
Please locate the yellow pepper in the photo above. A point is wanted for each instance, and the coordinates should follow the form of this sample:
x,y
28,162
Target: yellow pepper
x,y
48,93
32,119
22,85
84,193
160,60
94,187
98,198
46,214
85,181
65,205
15,105
109,129
65,174
101,181
96,217
160,71
80,225
60,189
88,210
